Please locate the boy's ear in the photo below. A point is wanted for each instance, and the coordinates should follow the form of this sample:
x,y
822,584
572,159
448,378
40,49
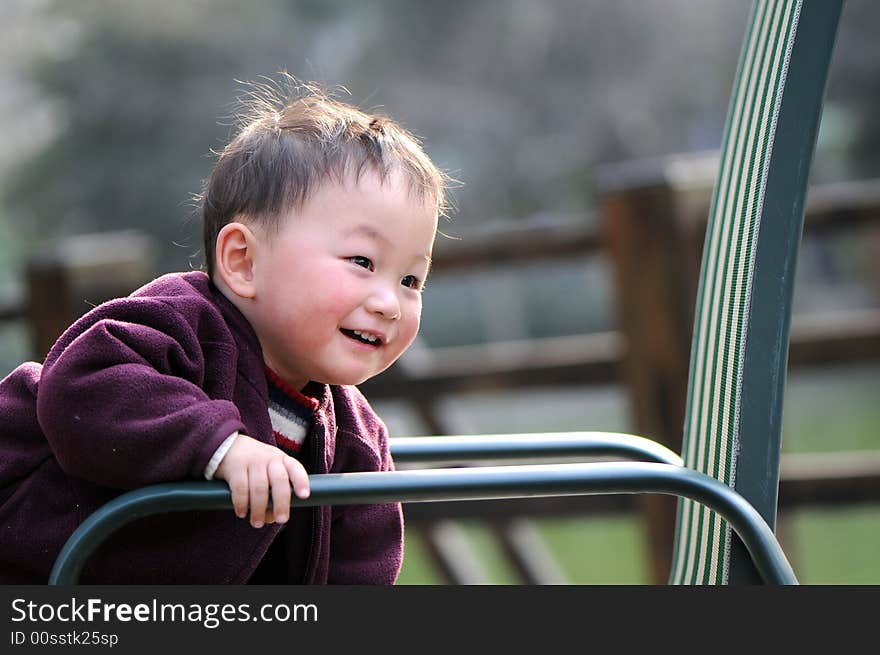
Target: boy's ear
x,y
234,258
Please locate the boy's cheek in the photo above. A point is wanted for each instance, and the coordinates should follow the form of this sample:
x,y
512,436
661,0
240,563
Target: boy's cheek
x,y
408,336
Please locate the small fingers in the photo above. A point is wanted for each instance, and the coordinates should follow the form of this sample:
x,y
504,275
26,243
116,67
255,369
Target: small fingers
x,y
280,484
299,479
258,485
238,487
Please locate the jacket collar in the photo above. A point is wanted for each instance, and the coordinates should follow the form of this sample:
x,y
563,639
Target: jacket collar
x,y
252,367
250,353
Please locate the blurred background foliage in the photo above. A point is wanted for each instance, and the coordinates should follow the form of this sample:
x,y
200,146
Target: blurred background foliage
x,y
109,112
110,109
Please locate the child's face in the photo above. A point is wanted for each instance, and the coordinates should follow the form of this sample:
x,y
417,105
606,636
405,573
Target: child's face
x,y
338,289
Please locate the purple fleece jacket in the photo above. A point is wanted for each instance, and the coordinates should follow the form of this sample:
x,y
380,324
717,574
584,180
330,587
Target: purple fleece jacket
x,y
143,390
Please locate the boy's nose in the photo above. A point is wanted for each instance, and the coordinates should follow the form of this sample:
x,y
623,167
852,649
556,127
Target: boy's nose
x,y
384,301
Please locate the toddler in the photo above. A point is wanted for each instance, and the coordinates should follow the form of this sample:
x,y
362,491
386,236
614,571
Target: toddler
x,y
319,221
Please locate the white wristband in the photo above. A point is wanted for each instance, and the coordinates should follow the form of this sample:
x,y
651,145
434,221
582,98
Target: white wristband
x,y
218,456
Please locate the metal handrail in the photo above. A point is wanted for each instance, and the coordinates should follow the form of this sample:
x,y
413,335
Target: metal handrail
x,y
448,484
455,448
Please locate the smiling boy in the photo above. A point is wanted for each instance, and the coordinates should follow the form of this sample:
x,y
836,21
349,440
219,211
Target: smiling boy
x,y
319,221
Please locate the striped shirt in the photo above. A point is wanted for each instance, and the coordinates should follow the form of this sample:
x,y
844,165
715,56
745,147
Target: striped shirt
x,y
291,413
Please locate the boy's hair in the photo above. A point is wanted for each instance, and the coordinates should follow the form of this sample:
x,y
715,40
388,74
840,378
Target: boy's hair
x,y
286,147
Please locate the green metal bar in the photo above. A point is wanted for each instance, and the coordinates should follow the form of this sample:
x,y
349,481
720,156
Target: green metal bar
x,y
448,484
455,448
766,348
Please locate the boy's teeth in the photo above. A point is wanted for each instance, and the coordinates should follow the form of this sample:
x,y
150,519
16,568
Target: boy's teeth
x,y
363,335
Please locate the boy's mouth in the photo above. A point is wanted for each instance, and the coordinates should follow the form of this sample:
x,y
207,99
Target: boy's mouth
x,y
367,338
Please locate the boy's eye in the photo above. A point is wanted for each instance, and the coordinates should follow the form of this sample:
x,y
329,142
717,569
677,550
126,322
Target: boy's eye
x,y
412,282
359,260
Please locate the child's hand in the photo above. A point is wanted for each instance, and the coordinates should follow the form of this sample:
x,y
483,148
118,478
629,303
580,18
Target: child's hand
x,y
252,468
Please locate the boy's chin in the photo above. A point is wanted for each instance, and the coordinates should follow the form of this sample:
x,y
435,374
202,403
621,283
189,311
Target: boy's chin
x,y
347,379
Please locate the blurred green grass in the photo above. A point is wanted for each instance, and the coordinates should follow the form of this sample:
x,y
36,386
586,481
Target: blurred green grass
x,y
589,551
830,410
